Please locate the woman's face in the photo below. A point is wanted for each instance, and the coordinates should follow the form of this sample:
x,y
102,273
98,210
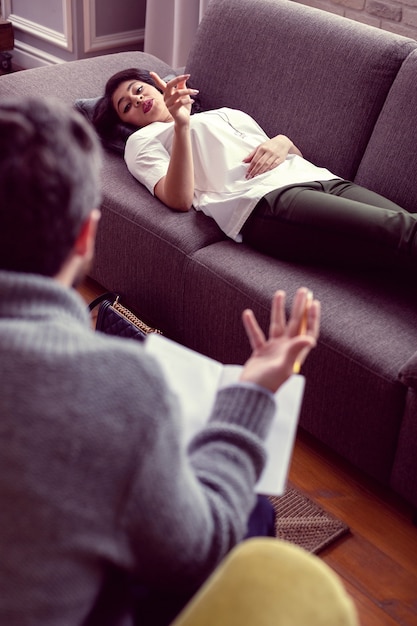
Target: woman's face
x,y
139,104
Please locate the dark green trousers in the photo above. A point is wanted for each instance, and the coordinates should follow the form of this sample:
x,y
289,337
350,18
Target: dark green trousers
x,y
336,223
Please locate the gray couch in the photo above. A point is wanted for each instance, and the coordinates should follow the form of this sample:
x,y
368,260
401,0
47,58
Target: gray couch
x,y
347,95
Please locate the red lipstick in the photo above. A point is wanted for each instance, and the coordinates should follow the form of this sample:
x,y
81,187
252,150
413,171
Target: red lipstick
x,y
147,105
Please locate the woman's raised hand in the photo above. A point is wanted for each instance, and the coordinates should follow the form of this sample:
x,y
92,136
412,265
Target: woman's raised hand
x,y
177,96
273,357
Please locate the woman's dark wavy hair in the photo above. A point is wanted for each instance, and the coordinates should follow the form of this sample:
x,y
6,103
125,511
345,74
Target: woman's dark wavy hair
x,y
105,118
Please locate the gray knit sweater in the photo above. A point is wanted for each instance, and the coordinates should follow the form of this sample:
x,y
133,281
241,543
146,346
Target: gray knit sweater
x,y
93,475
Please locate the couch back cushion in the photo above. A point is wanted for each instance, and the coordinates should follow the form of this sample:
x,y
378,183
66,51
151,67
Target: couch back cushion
x,y
389,165
319,78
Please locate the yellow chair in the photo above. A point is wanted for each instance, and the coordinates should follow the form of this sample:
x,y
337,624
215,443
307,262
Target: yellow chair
x,y
267,582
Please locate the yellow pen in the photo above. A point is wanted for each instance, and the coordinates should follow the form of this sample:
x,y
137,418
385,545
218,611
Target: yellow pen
x,y
303,328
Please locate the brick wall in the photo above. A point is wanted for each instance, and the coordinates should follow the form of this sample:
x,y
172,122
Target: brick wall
x,y
396,16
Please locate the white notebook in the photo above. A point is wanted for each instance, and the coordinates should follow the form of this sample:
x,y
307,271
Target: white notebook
x,y
195,379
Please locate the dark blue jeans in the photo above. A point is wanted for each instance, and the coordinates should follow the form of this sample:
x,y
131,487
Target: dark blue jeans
x,y
160,609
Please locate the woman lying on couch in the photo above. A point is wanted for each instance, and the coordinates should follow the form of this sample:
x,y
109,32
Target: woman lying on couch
x,y
258,189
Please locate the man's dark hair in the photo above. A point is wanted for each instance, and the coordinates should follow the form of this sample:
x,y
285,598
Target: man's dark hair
x,y
49,181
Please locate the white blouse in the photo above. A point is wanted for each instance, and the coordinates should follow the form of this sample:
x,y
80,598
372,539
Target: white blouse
x,y
220,139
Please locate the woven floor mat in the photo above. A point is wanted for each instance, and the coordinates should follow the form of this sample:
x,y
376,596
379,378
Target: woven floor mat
x,y
305,523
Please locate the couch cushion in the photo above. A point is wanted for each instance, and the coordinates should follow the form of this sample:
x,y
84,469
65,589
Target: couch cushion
x,y
319,78
143,248
354,400
389,165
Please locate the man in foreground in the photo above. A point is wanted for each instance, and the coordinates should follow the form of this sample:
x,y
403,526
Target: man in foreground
x,y
101,507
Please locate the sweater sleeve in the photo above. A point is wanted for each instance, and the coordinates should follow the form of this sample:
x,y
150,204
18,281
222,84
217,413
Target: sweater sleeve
x,y
188,507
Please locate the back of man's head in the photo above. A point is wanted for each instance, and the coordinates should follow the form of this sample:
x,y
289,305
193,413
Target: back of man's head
x,y
49,183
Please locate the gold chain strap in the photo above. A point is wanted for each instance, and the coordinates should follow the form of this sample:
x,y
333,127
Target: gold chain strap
x,y
133,319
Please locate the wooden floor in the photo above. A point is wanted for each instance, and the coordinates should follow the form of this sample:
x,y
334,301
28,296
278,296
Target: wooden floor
x,y
377,560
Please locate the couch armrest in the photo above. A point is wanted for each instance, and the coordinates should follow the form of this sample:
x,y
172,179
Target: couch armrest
x,y
408,372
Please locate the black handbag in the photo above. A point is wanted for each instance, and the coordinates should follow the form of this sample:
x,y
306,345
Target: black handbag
x,y
115,319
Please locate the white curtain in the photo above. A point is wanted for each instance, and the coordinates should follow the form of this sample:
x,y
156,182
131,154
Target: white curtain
x,y
170,28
